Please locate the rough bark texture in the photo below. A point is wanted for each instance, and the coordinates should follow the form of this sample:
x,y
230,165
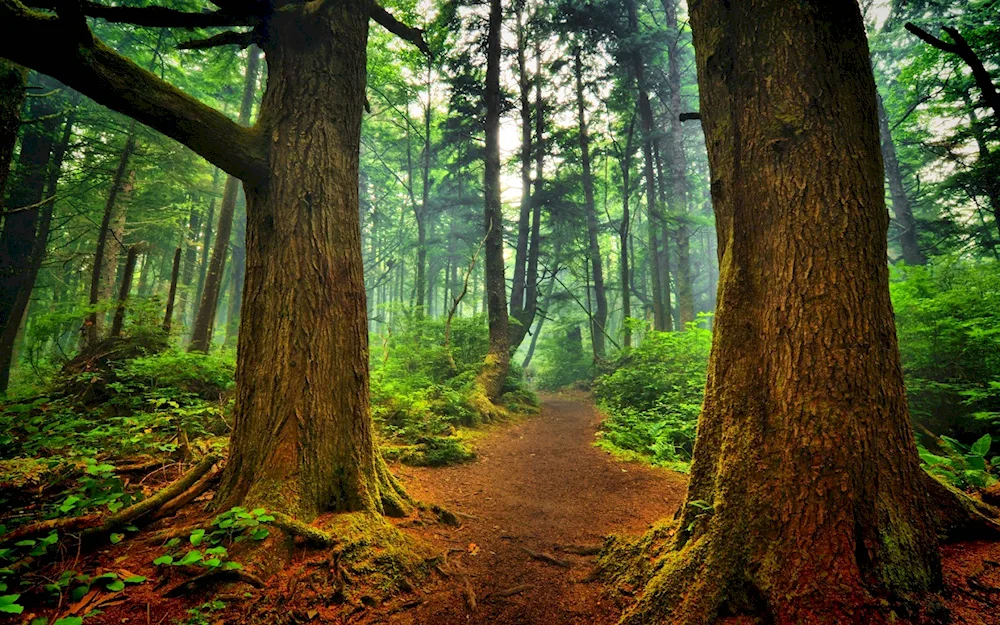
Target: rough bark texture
x,y
806,498
495,368
204,323
12,90
912,253
600,318
302,442
19,238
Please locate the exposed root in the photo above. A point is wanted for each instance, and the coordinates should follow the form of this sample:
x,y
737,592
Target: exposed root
x,y
480,402
94,523
310,534
510,592
957,516
582,550
214,576
199,488
395,500
546,557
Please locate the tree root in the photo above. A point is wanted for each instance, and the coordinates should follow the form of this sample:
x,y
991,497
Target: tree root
x,y
396,502
214,576
206,482
547,558
95,523
958,516
310,534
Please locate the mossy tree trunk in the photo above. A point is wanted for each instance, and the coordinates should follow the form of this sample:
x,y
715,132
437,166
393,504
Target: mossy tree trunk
x,y
303,440
497,362
806,501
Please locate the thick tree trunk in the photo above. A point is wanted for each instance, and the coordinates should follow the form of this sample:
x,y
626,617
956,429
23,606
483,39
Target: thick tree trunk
x,y
912,254
806,498
494,372
98,274
599,320
19,240
302,441
12,91
204,322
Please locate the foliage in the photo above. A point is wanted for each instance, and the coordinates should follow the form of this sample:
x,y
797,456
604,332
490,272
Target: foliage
x,y
964,466
563,360
948,322
653,395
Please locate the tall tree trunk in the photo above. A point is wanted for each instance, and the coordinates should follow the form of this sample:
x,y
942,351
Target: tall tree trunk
x,y
26,232
302,441
678,170
524,220
98,278
239,255
128,272
204,322
168,317
599,320
206,248
12,91
660,320
806,499
912,254
624,234
494,372
665,235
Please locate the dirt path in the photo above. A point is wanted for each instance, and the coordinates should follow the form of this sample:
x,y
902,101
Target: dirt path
x,y
538,485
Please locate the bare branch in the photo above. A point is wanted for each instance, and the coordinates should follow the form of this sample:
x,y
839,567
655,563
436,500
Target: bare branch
x,y
401,30
243,39
926,37
61,49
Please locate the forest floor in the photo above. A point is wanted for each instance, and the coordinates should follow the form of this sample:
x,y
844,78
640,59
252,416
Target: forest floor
x,y
537,487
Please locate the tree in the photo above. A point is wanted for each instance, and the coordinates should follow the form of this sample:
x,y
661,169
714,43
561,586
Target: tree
x,y
494,372
204,322
302,441
912,253
806,499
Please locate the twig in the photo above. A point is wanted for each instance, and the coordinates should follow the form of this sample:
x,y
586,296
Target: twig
x,y
545,557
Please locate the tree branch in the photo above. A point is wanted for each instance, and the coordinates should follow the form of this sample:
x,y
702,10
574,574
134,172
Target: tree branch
x,y
928,38
71,54
243,39
162,17
401,30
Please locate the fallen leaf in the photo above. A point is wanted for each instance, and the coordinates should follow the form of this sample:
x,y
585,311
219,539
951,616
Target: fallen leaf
x,y
473,549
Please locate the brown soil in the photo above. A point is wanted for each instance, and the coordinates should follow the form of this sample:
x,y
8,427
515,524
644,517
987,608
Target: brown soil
x,y
539,485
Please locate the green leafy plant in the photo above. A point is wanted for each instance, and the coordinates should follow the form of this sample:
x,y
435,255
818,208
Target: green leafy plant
x,y
964,466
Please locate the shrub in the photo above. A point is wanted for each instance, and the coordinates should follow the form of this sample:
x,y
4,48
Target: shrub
x,y
653,396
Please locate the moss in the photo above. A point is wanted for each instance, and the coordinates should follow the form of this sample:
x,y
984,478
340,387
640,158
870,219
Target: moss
x,y
376,558
432,451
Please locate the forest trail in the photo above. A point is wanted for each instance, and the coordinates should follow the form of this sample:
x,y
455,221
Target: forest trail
x,y
538,485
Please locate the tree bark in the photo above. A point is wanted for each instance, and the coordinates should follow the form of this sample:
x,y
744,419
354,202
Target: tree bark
x,y
912,254
302,442
524,220
806,498
12,91
19,240
204,322
600,318
494,372
98,277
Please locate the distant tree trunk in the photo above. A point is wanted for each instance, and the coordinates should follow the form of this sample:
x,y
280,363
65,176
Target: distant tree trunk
x,y
303,441
524,221
119,186
678,170
26,233
783,519
661,321
239,271
624,234
12,91
126,288
912,254
600,317
665,234
204,322
989,161
168,317
494,372
206,247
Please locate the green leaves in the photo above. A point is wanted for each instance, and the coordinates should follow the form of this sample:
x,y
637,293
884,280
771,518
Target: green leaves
x,y
9,605
982,446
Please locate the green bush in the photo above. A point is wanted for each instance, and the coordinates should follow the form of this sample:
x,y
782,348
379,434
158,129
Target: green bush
x,y
948,323
653,396
563,359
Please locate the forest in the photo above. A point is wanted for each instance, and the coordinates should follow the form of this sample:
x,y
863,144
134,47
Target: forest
x,y
500,311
